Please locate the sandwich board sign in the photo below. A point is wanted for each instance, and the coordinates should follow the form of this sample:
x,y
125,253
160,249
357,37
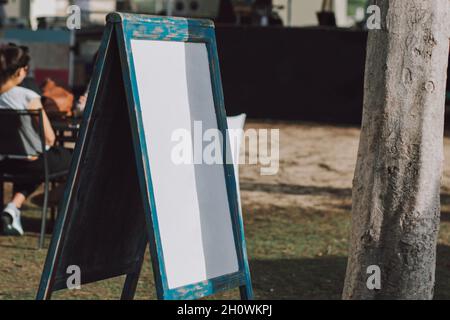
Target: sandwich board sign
x,y
154,76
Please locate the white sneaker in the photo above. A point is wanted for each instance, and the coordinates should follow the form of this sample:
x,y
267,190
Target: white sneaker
x,y
11,213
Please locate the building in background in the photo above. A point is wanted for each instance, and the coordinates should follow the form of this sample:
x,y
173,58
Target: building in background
x,y
27,11
70,60
300,13
295,13
32,10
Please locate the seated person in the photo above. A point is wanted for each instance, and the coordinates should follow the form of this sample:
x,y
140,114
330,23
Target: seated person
x,y
30,83
14,62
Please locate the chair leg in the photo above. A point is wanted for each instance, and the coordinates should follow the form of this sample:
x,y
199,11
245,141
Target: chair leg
x,y
53,214
44,216
52,207
2,194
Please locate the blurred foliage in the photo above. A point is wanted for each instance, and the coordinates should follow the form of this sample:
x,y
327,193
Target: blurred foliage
x,y
353,5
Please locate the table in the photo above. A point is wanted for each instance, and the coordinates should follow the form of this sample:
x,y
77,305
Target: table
x,y
66,130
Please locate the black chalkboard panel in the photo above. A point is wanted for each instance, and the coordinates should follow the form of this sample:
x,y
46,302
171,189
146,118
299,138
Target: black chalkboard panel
x,y
111,223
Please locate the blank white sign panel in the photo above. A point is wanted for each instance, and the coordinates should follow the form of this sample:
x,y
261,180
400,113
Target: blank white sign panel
x,y
193,212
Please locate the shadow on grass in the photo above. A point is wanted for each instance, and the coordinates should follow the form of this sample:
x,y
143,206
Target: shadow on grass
x,y
299,279
445,201
296,189
445,216
323,278
21,248
33,225
442,288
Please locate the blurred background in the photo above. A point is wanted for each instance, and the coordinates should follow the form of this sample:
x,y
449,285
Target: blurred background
x,y
273,53
292,65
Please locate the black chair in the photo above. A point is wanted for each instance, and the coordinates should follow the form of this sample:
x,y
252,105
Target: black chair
x,y
11,147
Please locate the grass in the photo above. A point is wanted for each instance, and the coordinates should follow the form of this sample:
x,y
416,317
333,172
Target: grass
x,y
297,227
295,253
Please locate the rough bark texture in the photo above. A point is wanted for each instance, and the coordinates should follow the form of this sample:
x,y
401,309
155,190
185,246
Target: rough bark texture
x,y
396,204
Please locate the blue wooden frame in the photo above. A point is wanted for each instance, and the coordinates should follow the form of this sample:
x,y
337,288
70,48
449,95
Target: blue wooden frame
x,y
128,27
125,27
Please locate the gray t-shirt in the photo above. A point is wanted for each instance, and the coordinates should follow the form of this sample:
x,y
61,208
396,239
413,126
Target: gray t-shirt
x,y
19,98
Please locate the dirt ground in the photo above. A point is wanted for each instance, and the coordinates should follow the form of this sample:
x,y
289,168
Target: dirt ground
x,y
297,224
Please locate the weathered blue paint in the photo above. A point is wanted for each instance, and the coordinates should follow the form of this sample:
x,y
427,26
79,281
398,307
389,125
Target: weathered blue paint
x,y
181,30
126,27
141,159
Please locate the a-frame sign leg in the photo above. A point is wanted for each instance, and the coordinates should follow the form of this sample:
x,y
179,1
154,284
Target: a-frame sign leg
x,y
245,294
130,285
132,279
246,291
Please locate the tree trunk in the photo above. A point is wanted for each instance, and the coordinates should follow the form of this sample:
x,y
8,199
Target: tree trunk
x,y
396,202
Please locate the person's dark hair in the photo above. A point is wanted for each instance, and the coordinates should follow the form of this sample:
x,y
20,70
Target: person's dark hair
x,y
12,58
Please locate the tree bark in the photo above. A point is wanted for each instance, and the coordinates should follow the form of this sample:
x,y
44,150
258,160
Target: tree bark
x,y
396,188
